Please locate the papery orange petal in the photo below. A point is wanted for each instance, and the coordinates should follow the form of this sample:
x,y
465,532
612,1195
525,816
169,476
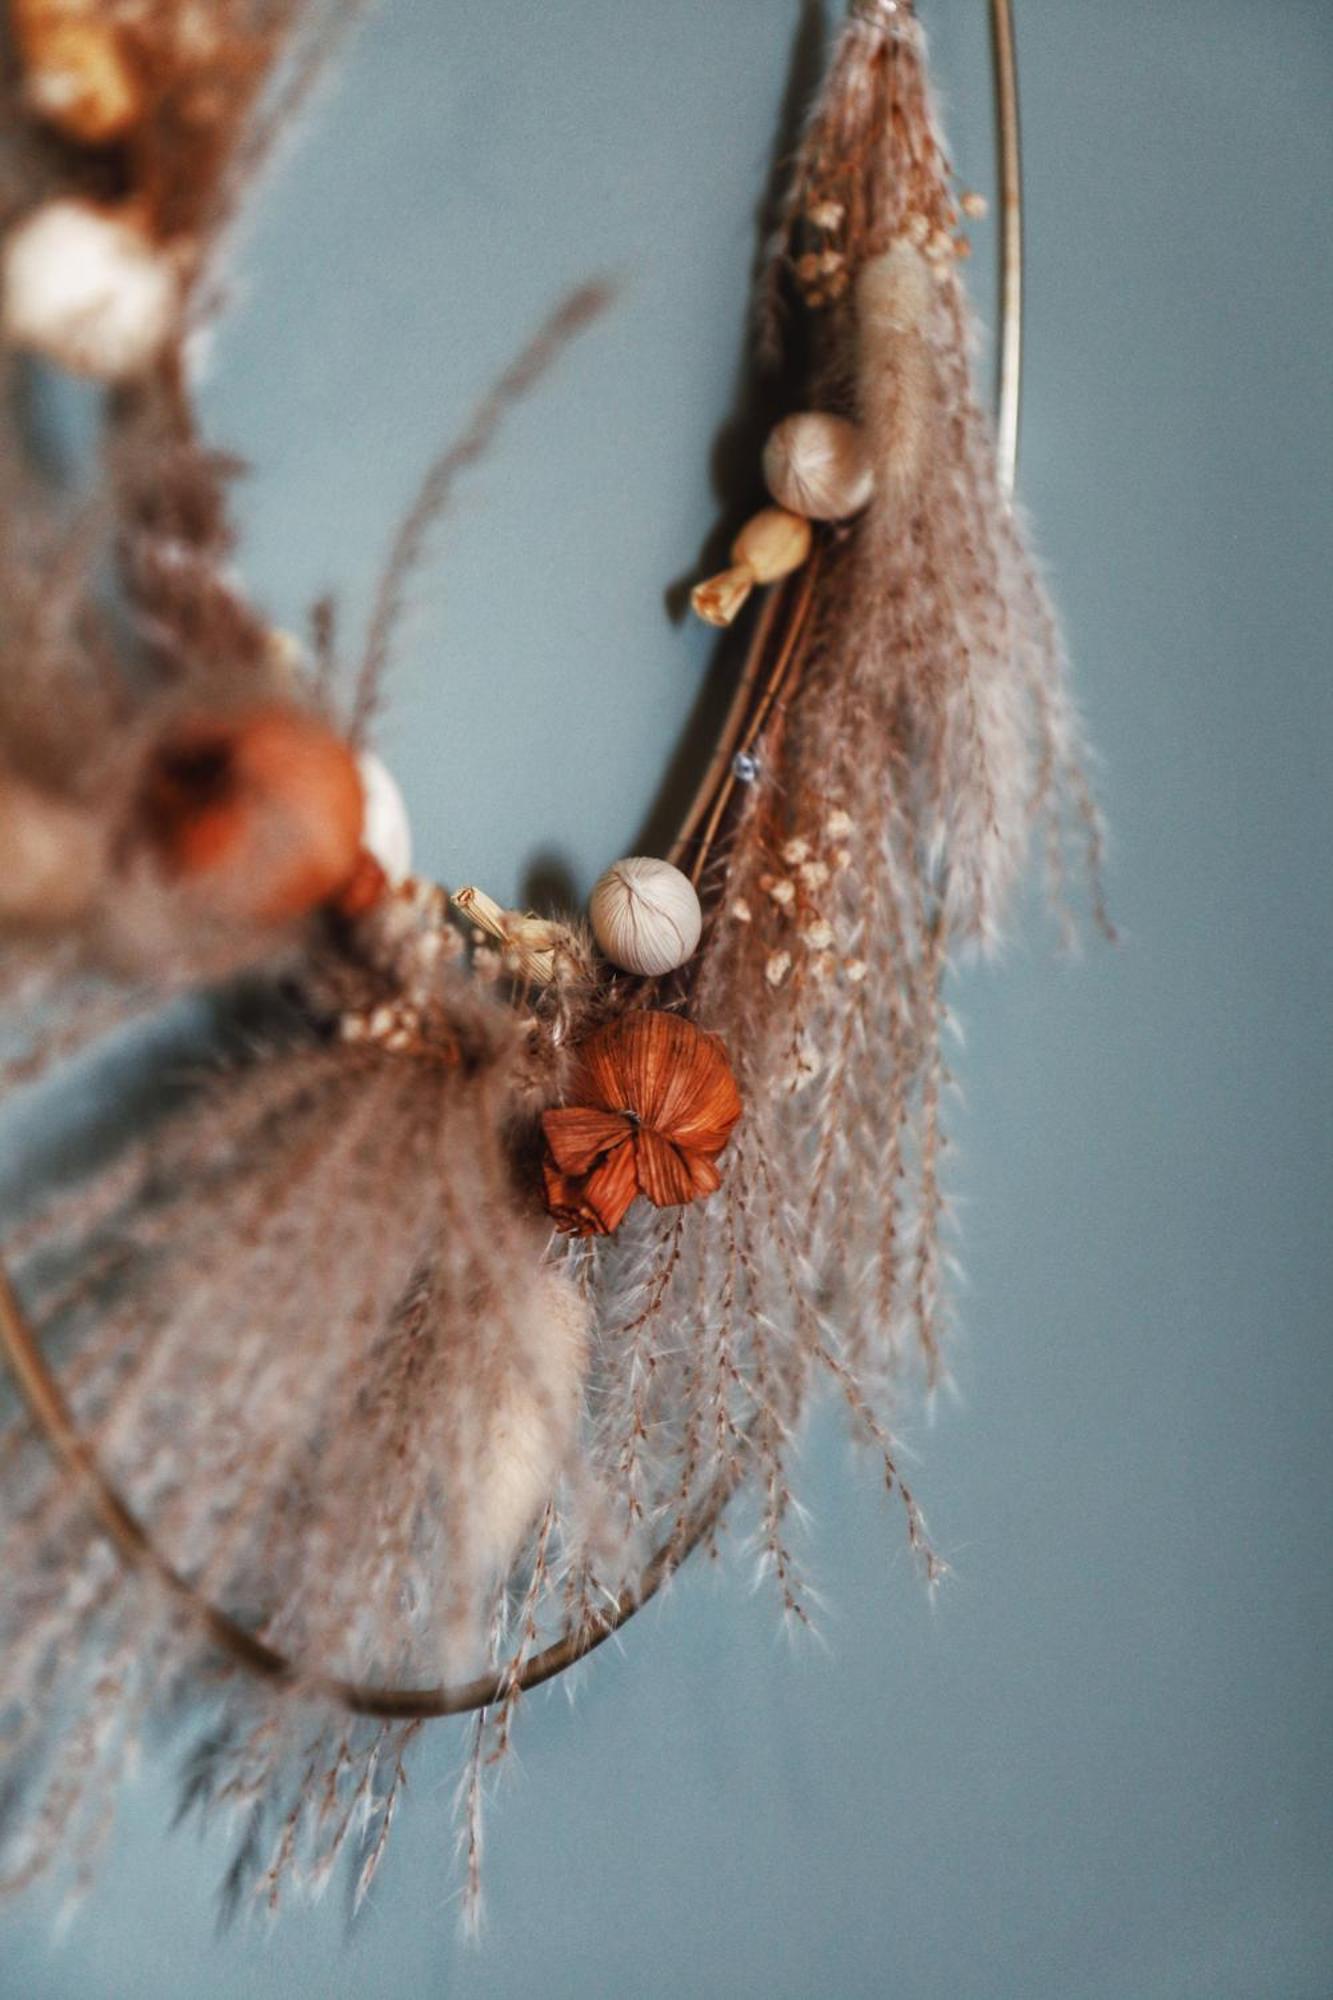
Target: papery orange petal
x,y
611,1187
700,1102
565,1200
663,1175
580,1134
705,1176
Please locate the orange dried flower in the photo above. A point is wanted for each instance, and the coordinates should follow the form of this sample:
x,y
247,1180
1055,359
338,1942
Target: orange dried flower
x,y
654,1104
261,810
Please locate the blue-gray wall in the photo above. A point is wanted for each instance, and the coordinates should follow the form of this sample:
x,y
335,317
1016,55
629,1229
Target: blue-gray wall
x,y
1102,1765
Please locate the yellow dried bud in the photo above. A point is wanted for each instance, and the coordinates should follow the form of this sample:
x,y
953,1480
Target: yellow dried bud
x,y
771,545
76,75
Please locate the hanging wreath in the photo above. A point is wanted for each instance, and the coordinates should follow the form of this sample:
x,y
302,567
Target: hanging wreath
x,y
399,1362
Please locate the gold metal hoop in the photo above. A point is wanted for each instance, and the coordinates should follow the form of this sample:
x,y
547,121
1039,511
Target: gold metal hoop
x,y
770,671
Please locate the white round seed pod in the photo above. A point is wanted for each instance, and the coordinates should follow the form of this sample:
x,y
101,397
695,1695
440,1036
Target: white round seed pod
x,y
817,465
87,288
386,831
645,916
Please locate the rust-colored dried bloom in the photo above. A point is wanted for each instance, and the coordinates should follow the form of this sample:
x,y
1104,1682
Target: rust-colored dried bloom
x,y
262,810
654,1101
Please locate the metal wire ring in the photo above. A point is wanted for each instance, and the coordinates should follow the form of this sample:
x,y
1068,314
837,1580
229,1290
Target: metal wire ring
x,y
765,680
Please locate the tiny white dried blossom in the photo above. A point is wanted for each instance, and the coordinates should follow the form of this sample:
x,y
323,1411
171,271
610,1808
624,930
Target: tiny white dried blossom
x,y
86,287
819,934
813,874
838,824
740,912
842,857
782,892
795,852
855,969
777,968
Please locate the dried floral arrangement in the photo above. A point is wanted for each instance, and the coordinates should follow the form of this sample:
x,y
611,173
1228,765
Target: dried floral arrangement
x,y
390,1368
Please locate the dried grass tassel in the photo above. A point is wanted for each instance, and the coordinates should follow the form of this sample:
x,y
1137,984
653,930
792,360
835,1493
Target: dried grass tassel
x,y
368,1336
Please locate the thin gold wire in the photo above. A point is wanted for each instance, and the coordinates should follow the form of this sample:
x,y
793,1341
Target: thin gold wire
x,y
763,683
1009,176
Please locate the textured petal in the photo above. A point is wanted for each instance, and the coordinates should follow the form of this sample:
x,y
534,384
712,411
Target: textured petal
x,y
667,1073
700,1102
580,1135
663,1174
570,1211
706,1178
611,1187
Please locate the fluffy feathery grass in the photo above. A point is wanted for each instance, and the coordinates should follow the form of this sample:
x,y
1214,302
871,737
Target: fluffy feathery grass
x,y
313,1321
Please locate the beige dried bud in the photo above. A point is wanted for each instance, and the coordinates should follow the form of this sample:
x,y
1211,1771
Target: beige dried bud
x,y
816,464
827,215
796,851
974,205
771,545
777,967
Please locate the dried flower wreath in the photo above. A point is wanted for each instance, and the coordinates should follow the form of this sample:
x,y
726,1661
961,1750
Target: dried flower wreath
x,y
435,1329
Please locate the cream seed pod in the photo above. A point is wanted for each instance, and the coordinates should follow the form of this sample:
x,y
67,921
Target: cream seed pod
x,y
816,464
772,544
385,831
645,916
86,287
